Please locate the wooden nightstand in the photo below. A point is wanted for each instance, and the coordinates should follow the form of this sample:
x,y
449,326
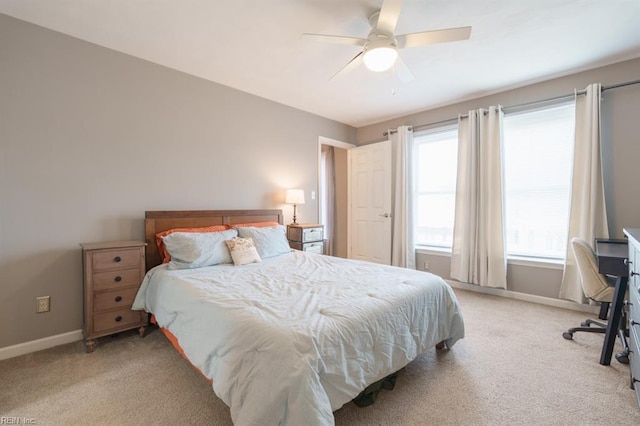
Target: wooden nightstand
x,y
306,237
112,273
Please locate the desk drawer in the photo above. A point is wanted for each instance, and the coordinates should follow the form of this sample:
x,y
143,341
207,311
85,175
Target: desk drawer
x,y
634,360
634,306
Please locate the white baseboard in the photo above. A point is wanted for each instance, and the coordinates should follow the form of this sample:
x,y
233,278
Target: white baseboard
x,y
40,344
74,336
558,303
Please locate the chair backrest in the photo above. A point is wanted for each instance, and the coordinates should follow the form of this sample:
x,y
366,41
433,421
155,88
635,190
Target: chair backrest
x,y
594,284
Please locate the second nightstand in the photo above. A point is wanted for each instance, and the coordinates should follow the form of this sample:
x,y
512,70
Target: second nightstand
x,y
113,273
306,237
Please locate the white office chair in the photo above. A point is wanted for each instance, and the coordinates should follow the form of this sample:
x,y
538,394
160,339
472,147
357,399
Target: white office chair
x,y
594,286
597,288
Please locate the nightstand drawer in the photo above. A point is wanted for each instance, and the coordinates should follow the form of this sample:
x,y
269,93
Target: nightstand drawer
x,y
117,259
314,247
114,299
120,319
116,279
304,233
311,234
317,247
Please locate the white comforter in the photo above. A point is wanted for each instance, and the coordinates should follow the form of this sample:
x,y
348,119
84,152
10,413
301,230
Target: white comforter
x,y
290,340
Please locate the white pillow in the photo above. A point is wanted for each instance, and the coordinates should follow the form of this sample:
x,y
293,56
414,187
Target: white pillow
x,y
242,251
269,240
196,250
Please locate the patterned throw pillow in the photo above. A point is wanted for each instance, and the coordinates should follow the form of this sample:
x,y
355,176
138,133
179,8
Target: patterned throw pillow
x,y
243,251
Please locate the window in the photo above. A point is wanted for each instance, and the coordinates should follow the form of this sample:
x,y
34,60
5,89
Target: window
x,y
538,156
537,160
436,156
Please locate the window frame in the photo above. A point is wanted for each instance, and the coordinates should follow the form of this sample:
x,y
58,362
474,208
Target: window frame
x,y
525,258
442,128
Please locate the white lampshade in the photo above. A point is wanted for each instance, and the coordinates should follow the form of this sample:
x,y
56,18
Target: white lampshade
x,y
294,196
380,59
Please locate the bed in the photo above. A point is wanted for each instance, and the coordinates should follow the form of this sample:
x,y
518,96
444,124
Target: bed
x,y
293,337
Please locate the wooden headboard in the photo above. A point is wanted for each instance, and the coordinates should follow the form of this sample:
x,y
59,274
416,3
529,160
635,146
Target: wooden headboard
x,y
158,221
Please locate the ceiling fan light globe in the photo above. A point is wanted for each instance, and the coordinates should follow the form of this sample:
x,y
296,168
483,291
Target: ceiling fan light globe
x,y
380,59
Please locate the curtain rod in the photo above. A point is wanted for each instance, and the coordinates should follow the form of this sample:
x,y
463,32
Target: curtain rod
x,y
511,107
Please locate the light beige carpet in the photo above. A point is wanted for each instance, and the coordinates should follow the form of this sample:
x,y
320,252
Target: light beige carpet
x,y
513,368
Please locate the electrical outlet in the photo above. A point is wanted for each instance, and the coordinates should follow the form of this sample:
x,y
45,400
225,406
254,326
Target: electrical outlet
x,y
426,265
43,304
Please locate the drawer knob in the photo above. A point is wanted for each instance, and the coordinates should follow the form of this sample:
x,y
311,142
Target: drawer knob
x,y
634,323
634,380
118,318
117,259
632,274
627,262
118,278
118,298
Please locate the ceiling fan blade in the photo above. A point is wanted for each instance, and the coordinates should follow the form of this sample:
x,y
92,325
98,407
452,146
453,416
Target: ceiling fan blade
x,y
389,14
355,41
433,37
402,71
351,65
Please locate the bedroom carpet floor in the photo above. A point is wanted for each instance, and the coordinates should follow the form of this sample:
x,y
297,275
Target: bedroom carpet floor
x,y
512,368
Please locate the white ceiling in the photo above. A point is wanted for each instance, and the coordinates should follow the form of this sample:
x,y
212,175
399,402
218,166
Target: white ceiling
x,y
255,45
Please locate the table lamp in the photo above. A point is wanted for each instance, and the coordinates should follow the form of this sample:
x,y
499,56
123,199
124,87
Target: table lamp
x,y
295,197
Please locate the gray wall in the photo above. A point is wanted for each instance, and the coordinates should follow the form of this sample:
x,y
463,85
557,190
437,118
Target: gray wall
x,y
91,138
621,155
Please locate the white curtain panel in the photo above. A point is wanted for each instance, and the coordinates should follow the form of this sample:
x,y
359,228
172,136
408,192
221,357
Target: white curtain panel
x,y
402,245
588,213
478,253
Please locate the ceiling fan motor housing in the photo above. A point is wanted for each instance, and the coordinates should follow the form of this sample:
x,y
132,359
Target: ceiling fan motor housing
x,y
380,52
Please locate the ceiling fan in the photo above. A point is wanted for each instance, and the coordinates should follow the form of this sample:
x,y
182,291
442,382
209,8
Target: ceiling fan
x,y
380,48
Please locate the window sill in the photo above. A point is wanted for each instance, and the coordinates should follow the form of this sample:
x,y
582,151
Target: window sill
x,y
513,260
536,262
436,251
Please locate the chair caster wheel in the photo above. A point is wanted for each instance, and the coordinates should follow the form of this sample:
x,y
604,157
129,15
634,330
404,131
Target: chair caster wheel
x,y
622,357
567,335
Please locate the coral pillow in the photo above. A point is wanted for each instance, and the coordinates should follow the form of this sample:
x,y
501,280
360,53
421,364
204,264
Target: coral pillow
x,y
162,249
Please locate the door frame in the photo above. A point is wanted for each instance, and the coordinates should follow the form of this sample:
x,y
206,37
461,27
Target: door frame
x,y
322,140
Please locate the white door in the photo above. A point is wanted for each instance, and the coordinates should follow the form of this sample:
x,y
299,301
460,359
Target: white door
x,y
370,202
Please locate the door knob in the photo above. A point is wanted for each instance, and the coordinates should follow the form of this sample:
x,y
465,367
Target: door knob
x,y
385,215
